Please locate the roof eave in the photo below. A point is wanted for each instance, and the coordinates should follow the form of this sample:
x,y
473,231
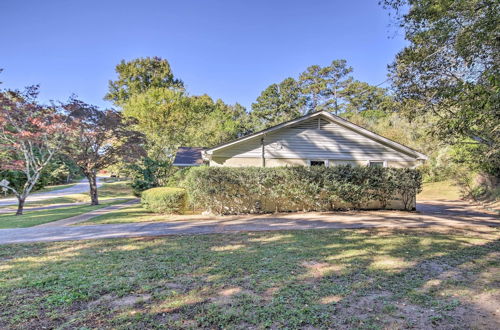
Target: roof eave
x,y
186,165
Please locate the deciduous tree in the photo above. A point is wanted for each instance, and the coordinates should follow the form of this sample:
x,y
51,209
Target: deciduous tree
x,y
101,138
139,75
30,136
451,69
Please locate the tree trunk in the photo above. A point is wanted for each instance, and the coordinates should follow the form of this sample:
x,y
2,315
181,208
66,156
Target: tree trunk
x,y
20,206
92,177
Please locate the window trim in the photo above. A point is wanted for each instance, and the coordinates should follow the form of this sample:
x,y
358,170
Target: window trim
x,y
384,162
327,162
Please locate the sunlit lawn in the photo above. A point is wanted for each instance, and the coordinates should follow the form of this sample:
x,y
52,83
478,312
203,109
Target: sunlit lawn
x,y
443,190
133,213
287,279
33,218
130,214
106,192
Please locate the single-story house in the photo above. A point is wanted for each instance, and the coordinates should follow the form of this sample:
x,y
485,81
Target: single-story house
x,y
316,139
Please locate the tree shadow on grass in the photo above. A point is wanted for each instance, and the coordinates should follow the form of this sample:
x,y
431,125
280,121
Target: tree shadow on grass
x,y
294,279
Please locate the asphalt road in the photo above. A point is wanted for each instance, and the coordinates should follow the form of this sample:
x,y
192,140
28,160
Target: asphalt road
x,y
80,187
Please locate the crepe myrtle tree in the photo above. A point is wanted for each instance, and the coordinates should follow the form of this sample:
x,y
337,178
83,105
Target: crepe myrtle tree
x,y
101,138
30,136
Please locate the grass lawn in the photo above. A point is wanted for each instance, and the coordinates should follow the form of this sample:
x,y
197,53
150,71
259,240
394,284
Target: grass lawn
x,y
129,214
33,218
443,190
136,213
106,192
288,279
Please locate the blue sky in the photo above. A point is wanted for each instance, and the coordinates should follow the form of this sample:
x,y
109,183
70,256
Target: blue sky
x,y
228,49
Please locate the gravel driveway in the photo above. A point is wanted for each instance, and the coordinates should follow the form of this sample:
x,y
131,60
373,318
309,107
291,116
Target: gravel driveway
x,y
430,213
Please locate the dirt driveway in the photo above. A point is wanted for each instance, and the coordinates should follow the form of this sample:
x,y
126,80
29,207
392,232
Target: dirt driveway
x,y
429,214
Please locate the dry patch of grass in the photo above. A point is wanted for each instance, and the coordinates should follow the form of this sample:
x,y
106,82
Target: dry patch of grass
x,y
33,218
443,190
137,213
290,279
112,190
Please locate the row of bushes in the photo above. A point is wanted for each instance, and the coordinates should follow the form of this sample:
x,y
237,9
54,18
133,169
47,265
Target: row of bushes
x,y
164,200
225,190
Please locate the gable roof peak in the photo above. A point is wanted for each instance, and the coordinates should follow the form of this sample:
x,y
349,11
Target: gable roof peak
x,y
334,118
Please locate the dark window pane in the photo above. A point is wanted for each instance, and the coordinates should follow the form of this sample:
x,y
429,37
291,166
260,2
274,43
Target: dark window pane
x,y
317,163
377,164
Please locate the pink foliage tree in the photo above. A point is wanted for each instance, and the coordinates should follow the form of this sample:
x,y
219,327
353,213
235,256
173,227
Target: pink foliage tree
x,y
30,136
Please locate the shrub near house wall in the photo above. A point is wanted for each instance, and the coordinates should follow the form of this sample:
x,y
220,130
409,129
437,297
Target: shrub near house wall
x,y
164,200
226,190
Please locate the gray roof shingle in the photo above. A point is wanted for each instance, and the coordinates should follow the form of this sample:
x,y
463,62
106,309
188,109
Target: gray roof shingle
x,y
188,156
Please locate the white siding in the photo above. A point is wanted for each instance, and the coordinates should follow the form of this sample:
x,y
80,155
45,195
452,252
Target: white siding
x,y
315,139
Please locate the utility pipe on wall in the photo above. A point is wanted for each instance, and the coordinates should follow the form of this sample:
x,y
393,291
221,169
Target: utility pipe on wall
x,y
263,152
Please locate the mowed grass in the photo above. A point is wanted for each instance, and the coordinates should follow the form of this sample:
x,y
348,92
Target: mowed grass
x,y
33,218
289,279
136,213
106,192
109,194
443,190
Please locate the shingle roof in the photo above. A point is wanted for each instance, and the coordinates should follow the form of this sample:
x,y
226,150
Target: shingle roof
x,y
188,156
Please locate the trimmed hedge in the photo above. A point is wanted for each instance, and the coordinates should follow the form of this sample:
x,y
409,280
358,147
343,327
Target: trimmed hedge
x,y
165,200
226,190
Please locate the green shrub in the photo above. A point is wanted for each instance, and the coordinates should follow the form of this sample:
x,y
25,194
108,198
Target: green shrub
x,y
147,173
164,200
226,190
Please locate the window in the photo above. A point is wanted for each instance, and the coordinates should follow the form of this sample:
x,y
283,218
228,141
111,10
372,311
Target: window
x,y
376,163
317,163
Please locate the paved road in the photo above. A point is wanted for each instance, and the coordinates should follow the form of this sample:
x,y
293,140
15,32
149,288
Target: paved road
x,y
81,187
430,213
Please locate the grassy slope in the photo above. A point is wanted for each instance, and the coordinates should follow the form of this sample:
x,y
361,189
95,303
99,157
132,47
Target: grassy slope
x,y
293,279
126,215
33,218
135,213
443,190
107,193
